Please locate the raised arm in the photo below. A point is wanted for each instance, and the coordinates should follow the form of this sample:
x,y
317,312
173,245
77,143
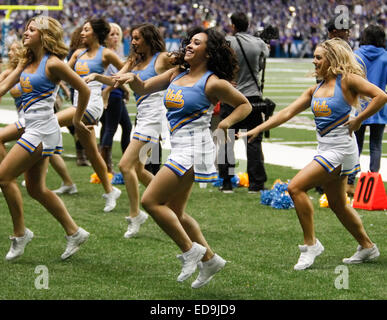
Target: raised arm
x,y
11,80
299,105
100,78
154,84
124,68
164,62
5,74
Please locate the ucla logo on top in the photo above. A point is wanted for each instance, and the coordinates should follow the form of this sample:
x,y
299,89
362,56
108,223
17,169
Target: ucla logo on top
x,y
82,68
321,110
26,84
174,100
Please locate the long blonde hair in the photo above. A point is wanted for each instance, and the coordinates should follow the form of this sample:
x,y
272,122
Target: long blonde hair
x,y
342,60
51,35
14,60
116,26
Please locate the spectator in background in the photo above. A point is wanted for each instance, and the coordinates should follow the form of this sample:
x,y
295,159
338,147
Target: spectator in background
x,y
249,50
339,27
373,57
10,38
176,16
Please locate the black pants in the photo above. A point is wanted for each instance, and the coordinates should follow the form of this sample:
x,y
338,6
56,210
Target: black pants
x,y
115,114
255,159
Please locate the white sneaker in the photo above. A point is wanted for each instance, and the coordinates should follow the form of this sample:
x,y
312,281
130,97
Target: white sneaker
x,y
308,254
18,245
190,260
111,199
207,270
66,189
135,223
74,241
363,254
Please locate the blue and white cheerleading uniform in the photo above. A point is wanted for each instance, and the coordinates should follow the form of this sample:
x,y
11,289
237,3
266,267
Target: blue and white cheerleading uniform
x,y
16,93
84,67
41,124
335,146
189,116
150,109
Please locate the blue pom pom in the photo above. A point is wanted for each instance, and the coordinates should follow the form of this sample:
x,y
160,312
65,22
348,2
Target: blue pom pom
x,y
266,197
218,182
277,197
282,201
281,187
118,179
235,181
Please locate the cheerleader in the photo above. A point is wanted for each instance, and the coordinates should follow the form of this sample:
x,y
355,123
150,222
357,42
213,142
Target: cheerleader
x,y
14,131
331,101
148,58
94,59
206,65
39,72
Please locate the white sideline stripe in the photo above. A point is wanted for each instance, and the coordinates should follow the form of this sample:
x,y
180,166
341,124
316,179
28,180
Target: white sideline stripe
x,y
304,71
283,97
280,80
287,60
296,158
283,90
285,84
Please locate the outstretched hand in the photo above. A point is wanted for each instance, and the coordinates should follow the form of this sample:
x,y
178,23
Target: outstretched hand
x,y
121,79
250,134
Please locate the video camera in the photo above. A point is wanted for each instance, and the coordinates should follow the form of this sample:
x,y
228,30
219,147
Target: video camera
x,y
268,33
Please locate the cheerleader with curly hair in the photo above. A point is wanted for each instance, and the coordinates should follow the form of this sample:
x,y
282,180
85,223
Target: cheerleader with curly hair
x,y
206,64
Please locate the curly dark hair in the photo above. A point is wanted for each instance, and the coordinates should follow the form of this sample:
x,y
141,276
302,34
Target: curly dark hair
x,y
222,59
100,27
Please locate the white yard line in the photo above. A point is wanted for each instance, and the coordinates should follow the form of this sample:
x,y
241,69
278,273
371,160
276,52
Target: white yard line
x,y
275,153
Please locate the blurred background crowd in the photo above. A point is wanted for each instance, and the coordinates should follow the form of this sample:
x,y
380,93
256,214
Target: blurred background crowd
x,y
301,23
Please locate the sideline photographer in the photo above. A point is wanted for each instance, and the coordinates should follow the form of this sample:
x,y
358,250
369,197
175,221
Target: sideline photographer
x,y
250,51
